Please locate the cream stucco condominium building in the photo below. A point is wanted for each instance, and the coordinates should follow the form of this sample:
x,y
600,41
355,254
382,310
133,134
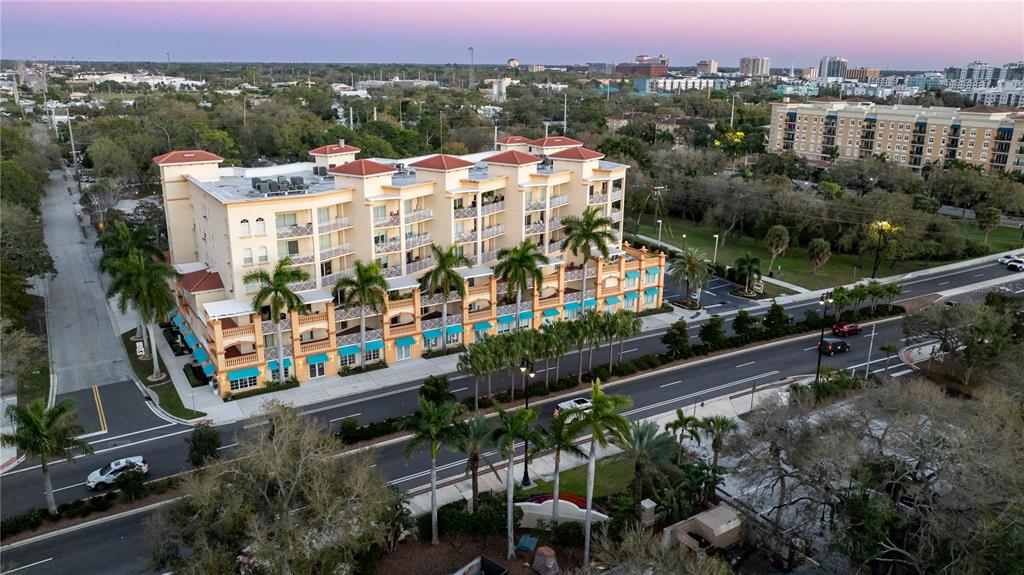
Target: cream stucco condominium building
x,y
915,136
327,214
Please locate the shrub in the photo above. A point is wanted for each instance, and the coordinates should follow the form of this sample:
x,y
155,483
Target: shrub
x,y
568,534
27,521
203,445
712,333
435,389
454,519
677,340
131,482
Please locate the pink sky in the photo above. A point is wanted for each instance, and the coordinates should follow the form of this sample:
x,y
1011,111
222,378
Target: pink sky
x,y
888,35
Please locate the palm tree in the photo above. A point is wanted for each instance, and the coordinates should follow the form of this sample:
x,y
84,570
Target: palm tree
x,y
145,282
443,277
582,331
46,433
606,425
120,241
819,251
586,234
561,437
512,426
472,437
717,427
684,426
367,288
748,268
561,333
629,325
472,362
519,267
274,291
647,449
840,299
431,425
777,239
691,267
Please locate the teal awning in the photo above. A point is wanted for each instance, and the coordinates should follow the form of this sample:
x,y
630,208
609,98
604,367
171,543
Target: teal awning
x,y
612,300
405,341
590,303
482,326
503,319
654,270
209,369
318,358
526,315
432,334
551,312
191,341
631,295
272,364
243,373
177,320
632,274
572,306
348,350
374,345
651,290
457,328
201,354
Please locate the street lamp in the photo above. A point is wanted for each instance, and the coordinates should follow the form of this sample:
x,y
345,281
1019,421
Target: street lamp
x,y
714,259
882,227
659,234
525,365
684,241
826,298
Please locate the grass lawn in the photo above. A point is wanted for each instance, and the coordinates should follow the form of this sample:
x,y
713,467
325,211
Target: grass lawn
x,y
169,399
35,384
613,476
796,266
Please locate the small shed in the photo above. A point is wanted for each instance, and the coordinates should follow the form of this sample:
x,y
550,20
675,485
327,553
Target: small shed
x,y
719,527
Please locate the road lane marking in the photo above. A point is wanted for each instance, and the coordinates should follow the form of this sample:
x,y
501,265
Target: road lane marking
x,y
68,487
673,383
355,401
93,434
902,373
27,566
714,306
978,275
453,391
631,350
99,408
99,451
810,348
345,417
746,364
943,283
122,436
661,404
229,446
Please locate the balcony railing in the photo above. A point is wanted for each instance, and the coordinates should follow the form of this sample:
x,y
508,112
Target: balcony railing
x,y
304,258
312,319
492,208
335,224
392,272
353,338
559,201
302,286
492,231
335,251
295,231
534,228
239,360
617,195
239,331
330,279
354,312
318,345
430,324
387,221
463,213
271,351
597,199
556,224
434,299
454,318
488,256
465,237
556,245
413,267
418,216
417,240
479,314
271,327
616,215
387,247
535,206
403,328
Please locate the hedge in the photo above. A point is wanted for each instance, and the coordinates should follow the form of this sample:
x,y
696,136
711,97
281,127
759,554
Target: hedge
x,y
455,519
271,387
352,370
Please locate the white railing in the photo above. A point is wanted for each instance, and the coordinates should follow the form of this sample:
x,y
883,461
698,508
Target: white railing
x,y
385,247
571,296
270,351
454,318
616,215
335,224
353,338
617,194
534,228
492,208
306,258
295,231
488,256
556,245
413,267
271,327
492,231
387,222
343,313
556,224
417,240
465,237
303,286
574,275
392,272
418,216
434,299
463,213
597,199
535,206
506,309
430,324
559,201
335,251
330,279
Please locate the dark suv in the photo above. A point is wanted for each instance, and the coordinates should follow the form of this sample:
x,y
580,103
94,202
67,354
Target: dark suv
x,y
832,346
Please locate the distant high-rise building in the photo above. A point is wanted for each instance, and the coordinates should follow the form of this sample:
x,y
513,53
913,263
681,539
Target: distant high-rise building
x,y
707,67
833,67
512,63
756,66
862,74
601,68
534,68
809,73
645,66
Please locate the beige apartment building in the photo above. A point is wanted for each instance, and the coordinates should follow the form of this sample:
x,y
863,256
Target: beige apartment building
x,y
915,136
328,213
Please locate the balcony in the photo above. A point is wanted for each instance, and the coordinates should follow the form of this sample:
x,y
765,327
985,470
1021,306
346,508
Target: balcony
x,y
314,346
302,286
240,360
434,299
488,256
417,240
597,199
556,224
419,216
482,289
271,351
534,228
492,208
559,201
354,312
392,271
353,338
387,222
617,194
238,332
313,319
335,251
402,329
330,279
616,215
480,314
413,267
465,237
303,258
387,247
492,231
464,213
271,327
536,206
556,246
333,225
295,231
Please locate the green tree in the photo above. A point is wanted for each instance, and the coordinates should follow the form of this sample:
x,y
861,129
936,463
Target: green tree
x,y
119,243
684,427
712,333
432,425
649,451
512,427
819,251
776,319
444,279
717,428
18,187
777,239
627,324
145,283
16,302
472,437
45,434
435,390
203,445
274,291
677,340
692,268
988,219
368,289
748,270
588,235
560,436
519,267
21,241
131,482
744,325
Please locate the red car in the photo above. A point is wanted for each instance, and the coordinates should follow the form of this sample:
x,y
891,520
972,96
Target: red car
x,y
844,329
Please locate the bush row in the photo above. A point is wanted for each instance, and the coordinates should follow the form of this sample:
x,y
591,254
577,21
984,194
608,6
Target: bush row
x,y
352,370
271,386
455,519
439,352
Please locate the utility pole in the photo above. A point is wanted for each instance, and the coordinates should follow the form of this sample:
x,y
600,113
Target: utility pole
x,y
565,114
871,346
74,156
472,69
732,111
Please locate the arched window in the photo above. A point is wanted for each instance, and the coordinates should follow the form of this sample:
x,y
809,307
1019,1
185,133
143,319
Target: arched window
x,y
263,255
244,225
247,256
261,227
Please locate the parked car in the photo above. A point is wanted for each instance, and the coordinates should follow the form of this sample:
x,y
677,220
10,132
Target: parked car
x,y
106,476
832,346
1016,265
579,403
844,329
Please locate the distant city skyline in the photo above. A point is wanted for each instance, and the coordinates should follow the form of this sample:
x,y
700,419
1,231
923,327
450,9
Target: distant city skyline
x,y
891,35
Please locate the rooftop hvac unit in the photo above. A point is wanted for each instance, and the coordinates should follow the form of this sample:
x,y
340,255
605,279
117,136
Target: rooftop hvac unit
x,y
547,161
282,180
255,183
321,170
296,180
264,187
274,187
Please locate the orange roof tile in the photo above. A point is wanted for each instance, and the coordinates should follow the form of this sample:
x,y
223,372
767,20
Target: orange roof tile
x,y
363,168
577,153
442,162
514,140
201,280
186,157
331,149
513,157
552,141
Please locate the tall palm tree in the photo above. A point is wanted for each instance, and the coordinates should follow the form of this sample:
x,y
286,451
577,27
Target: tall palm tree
x,y
629,325
606,425
443,277
274,292
585,235
46,433
472,437
717,427
581,332
367,288
145,282
692,268
120,241
647,449
561,333
560,436
684,426
512,426
749,269
518,267
472,362
431,425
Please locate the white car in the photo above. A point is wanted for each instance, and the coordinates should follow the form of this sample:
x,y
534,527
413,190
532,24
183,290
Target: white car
x,y
106,476
1016,264
1007,259
579,403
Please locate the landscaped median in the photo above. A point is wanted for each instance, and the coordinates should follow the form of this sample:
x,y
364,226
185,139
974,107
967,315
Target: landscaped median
x,y
167,396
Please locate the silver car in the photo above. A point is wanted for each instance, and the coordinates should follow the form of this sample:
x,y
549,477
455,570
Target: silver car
x,y
578,404
107,475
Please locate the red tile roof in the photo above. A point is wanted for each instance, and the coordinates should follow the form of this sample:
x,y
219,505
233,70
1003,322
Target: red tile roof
x,y
513,157
577,153
186,157
514,140
202,280
442,162
552,141
331,149
363,168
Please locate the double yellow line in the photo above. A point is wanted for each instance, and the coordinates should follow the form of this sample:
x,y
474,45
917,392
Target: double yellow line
x,y
99,408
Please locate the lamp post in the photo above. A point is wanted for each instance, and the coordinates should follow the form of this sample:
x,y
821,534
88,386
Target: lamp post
x,y
684,242
882,227
826,298
714,258
525,365
659,234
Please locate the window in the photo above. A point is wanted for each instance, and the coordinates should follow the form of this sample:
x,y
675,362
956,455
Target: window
x,y
970,155
325,241
326,268
631,282
323,215
974,131
970,144
292,247
649,299
316,370
247,256
984,156
243,228
276,375
286,220
505,327
261,227
380,213
243,383
372,355
262,251
984,145
988,133
453,338
251,287
348,360
404,352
